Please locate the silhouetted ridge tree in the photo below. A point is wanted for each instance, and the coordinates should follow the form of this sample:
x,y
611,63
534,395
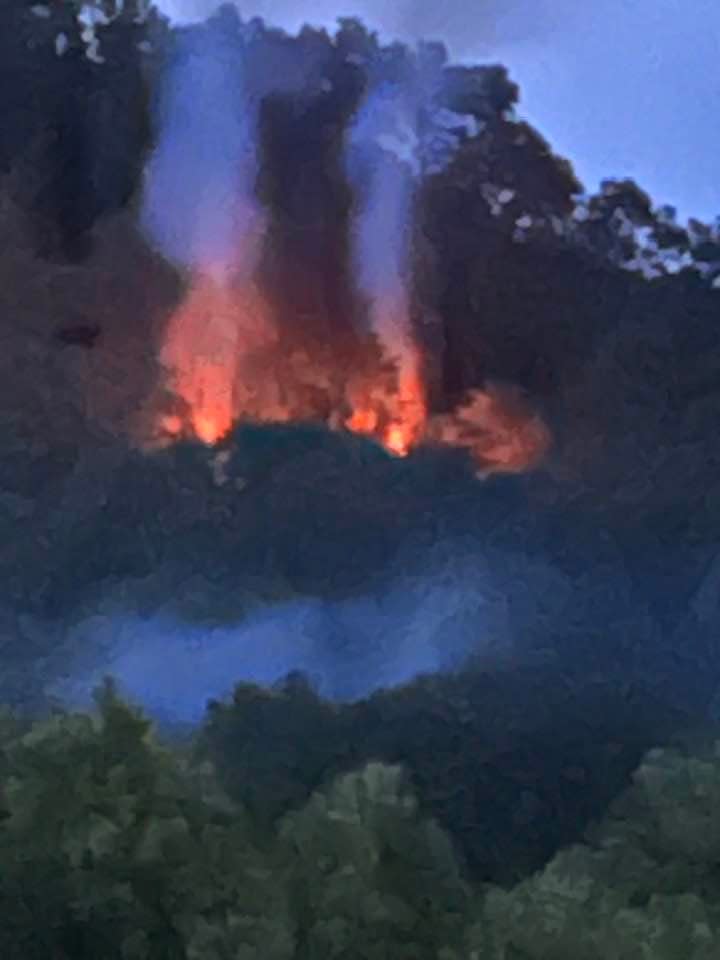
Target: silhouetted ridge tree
x,y
485,92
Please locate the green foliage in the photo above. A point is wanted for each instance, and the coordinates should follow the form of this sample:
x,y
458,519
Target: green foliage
x,y
115,846
109,849
564,914
370,880
672,809
647,886
272,749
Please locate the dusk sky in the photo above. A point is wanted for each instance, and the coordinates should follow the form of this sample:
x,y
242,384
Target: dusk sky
x,y
620,87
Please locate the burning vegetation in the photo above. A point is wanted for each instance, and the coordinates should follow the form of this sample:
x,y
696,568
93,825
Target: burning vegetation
x,y
226,362
228,355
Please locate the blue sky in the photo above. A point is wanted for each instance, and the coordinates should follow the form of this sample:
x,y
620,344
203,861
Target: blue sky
x,y
620,87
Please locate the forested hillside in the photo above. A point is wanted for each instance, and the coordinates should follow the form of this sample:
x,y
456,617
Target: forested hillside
x,y
583,593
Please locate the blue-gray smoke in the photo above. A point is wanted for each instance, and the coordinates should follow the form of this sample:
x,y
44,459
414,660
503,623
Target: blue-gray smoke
x,y
382,164
348,649
387,148
199,204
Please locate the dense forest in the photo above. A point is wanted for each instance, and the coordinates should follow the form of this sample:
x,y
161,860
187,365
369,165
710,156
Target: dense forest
x,y
115,846
550,792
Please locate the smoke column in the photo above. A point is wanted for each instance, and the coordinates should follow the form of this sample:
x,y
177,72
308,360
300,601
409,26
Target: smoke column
x,y
383,150
199,204
381,161
201,211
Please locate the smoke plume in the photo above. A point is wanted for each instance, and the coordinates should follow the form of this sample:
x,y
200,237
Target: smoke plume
x,y
382,162
202,213
199,203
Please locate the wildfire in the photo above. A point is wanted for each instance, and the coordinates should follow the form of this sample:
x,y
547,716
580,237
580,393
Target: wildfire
x,y
363,421
408,424
394,411
498,427
205,341
225,364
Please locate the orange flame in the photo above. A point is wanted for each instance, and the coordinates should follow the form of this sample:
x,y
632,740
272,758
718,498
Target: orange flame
x,y
224,364
395,412
204,342
498,427
395,415
407,427
362,421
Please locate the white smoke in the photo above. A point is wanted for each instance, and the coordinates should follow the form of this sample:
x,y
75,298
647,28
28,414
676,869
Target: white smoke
x,y
199,206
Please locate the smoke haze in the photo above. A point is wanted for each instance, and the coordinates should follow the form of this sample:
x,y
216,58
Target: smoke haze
x,y
347,649
434,611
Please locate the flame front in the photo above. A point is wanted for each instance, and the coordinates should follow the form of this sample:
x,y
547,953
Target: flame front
x,y
199,354
395,413
205,341
394,408
211,350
